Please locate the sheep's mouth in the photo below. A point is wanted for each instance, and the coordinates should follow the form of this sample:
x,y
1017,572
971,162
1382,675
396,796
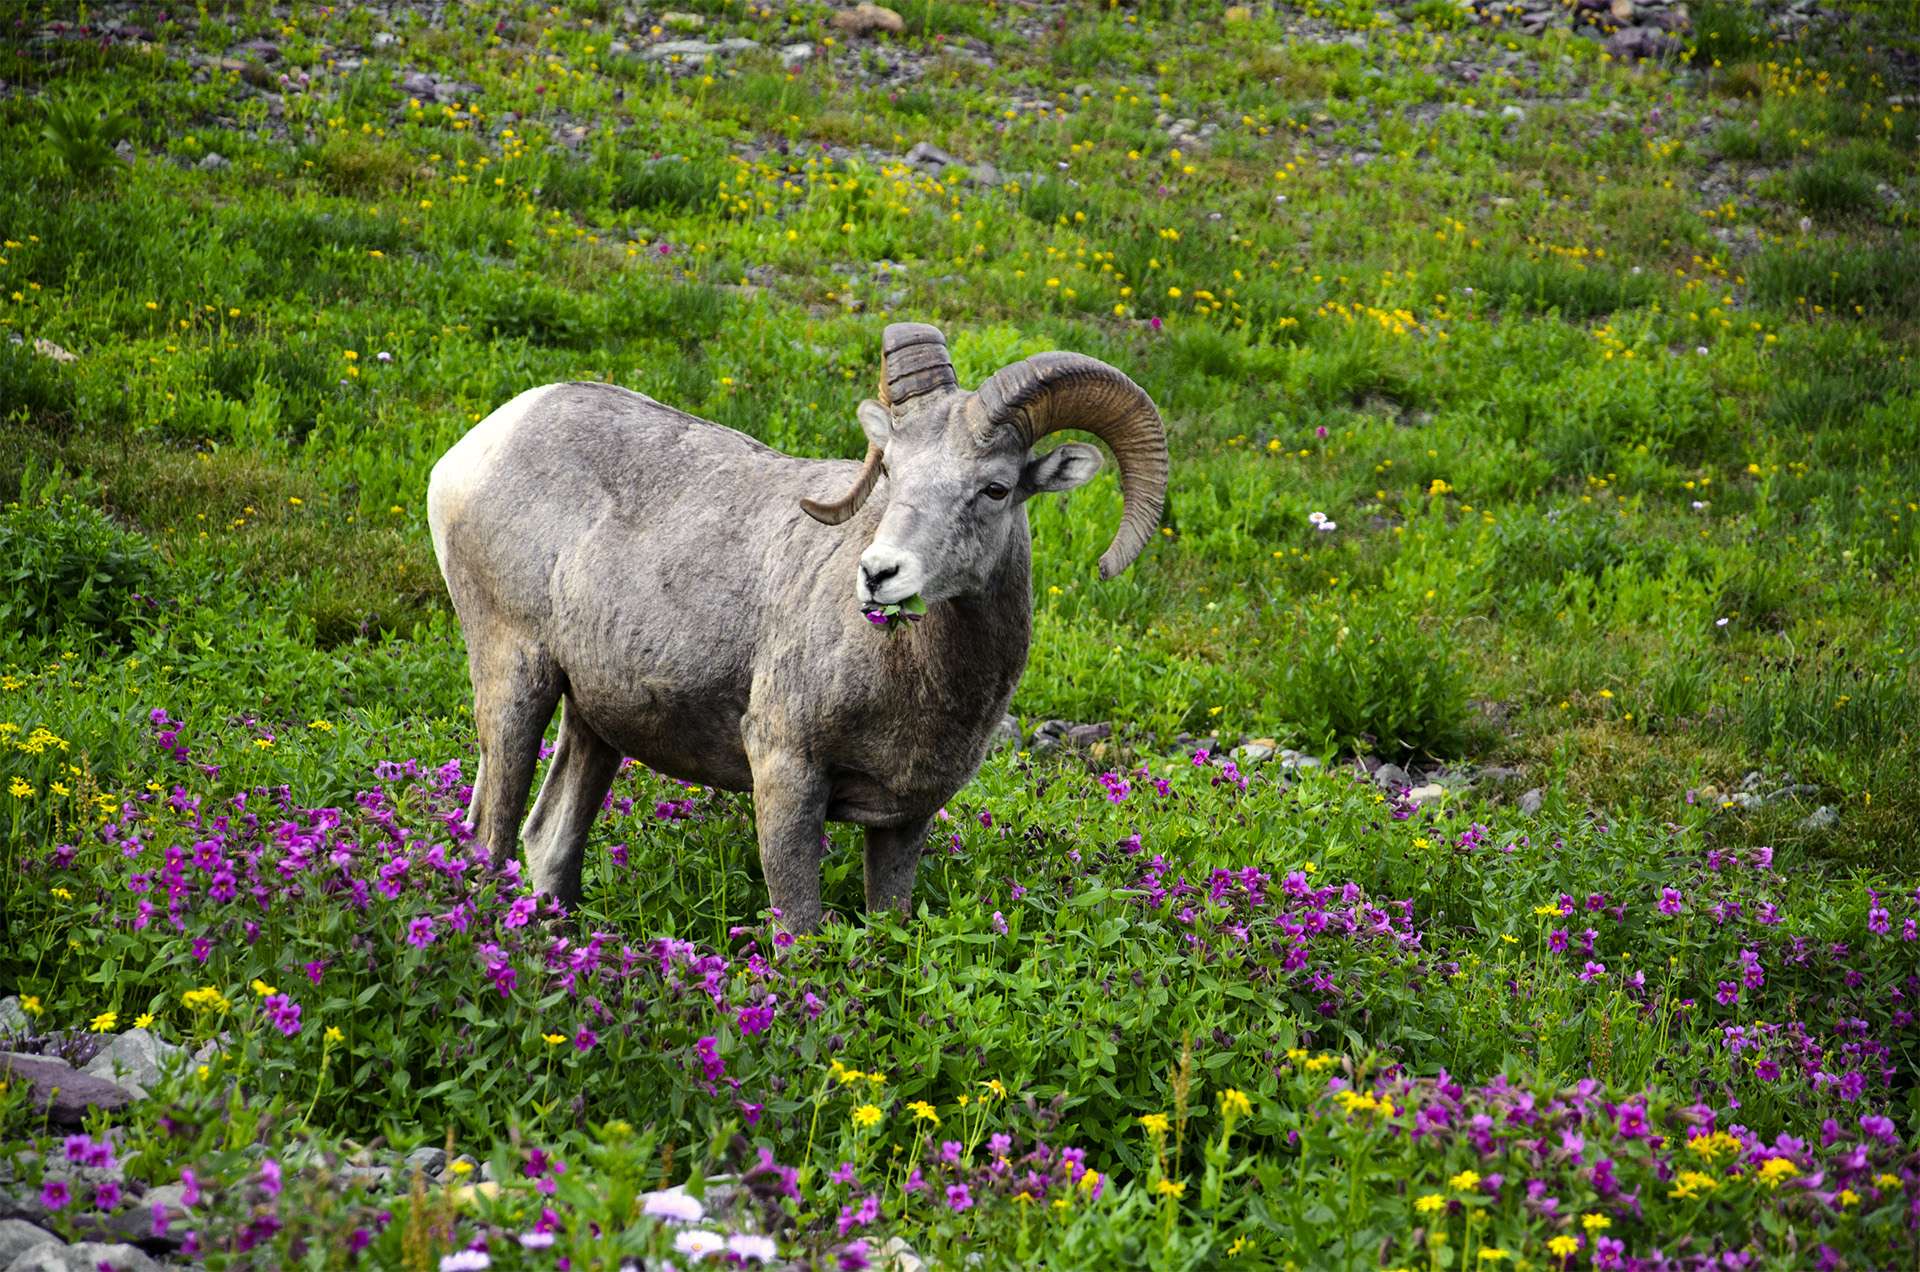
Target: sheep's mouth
x,y
892,614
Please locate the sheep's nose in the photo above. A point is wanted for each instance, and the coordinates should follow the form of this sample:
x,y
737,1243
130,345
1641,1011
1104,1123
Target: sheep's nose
x,y
875,578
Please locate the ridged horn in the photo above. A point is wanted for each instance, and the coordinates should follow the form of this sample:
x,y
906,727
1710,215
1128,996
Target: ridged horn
x,y
913,361
1053,391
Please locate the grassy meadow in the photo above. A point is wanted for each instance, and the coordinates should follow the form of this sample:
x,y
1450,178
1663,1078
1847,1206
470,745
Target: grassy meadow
x,y
1599,375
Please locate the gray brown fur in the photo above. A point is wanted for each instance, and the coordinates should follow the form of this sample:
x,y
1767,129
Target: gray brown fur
x,y
656,574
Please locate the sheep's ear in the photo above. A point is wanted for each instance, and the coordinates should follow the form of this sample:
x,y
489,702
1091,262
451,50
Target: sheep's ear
x,y
877,422
1062,468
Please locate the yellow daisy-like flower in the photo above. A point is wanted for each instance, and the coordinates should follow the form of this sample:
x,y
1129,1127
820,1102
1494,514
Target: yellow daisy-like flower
x,y
1492,1254
462,1167
843,1075
1563,1247
867,1115
261,988
61,894
1776,1170
924,1111
1089,1181
1465,1180
1156,1123
20,790
104,1022
1595,1223
996,1087
30,1003
206,998
1234,1103
332,1034
553,1040
1430,1203
1170,1187
143,1021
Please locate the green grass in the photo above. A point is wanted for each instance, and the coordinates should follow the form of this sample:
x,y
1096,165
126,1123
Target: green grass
x,y
1613,400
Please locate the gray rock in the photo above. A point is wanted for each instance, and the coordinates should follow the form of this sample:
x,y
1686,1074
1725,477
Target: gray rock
x,y
1256,752
135,1060
897,1256
1825,817
13,1020
87,1256
213,161
867,18
172,1196
792,55
1426,794
1530,801
60,1091
683,21
1084,735
927,155
1752,781
385,39
1513,112
374,1177
17,1236
426,1159
1391,777
984,173
419,84
694,52
1005,734
1636,42
1297,761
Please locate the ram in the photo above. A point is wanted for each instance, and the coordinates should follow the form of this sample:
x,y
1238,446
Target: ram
x,y
706,604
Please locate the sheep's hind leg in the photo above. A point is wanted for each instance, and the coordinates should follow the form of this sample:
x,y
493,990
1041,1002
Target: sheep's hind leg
x,y
893,859
789,814
576,784
515,692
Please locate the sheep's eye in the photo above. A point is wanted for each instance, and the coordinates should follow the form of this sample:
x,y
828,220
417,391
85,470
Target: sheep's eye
x,y
995,491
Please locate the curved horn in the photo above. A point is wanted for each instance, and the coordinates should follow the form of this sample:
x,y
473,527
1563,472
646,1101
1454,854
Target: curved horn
x,y
1053,391
913,361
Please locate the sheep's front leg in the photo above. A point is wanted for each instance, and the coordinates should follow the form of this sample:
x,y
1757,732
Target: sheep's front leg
x,y
577,782
789,812
893,858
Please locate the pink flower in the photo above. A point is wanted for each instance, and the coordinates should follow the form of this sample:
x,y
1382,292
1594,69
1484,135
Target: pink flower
x,y
958,1198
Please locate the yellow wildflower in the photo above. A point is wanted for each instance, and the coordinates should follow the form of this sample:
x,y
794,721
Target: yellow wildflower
x,y
332,1034
461,1167
1563,1247
1492,1254
924,1111
994,1085
1595,1223
1234,1103
206,998
263,989
553,1040
61,894
1777,1169
867,1115
1170,1187
1465,1181
1430,1203
143,1021
104,1022
30,1003
1156,1123
1690,1183
1089,1181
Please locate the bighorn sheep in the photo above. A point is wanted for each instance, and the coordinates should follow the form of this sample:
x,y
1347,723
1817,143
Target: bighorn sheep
x,y
681,587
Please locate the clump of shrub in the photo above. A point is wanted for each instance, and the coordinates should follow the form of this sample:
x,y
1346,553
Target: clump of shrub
x,y
70,569
1381,682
